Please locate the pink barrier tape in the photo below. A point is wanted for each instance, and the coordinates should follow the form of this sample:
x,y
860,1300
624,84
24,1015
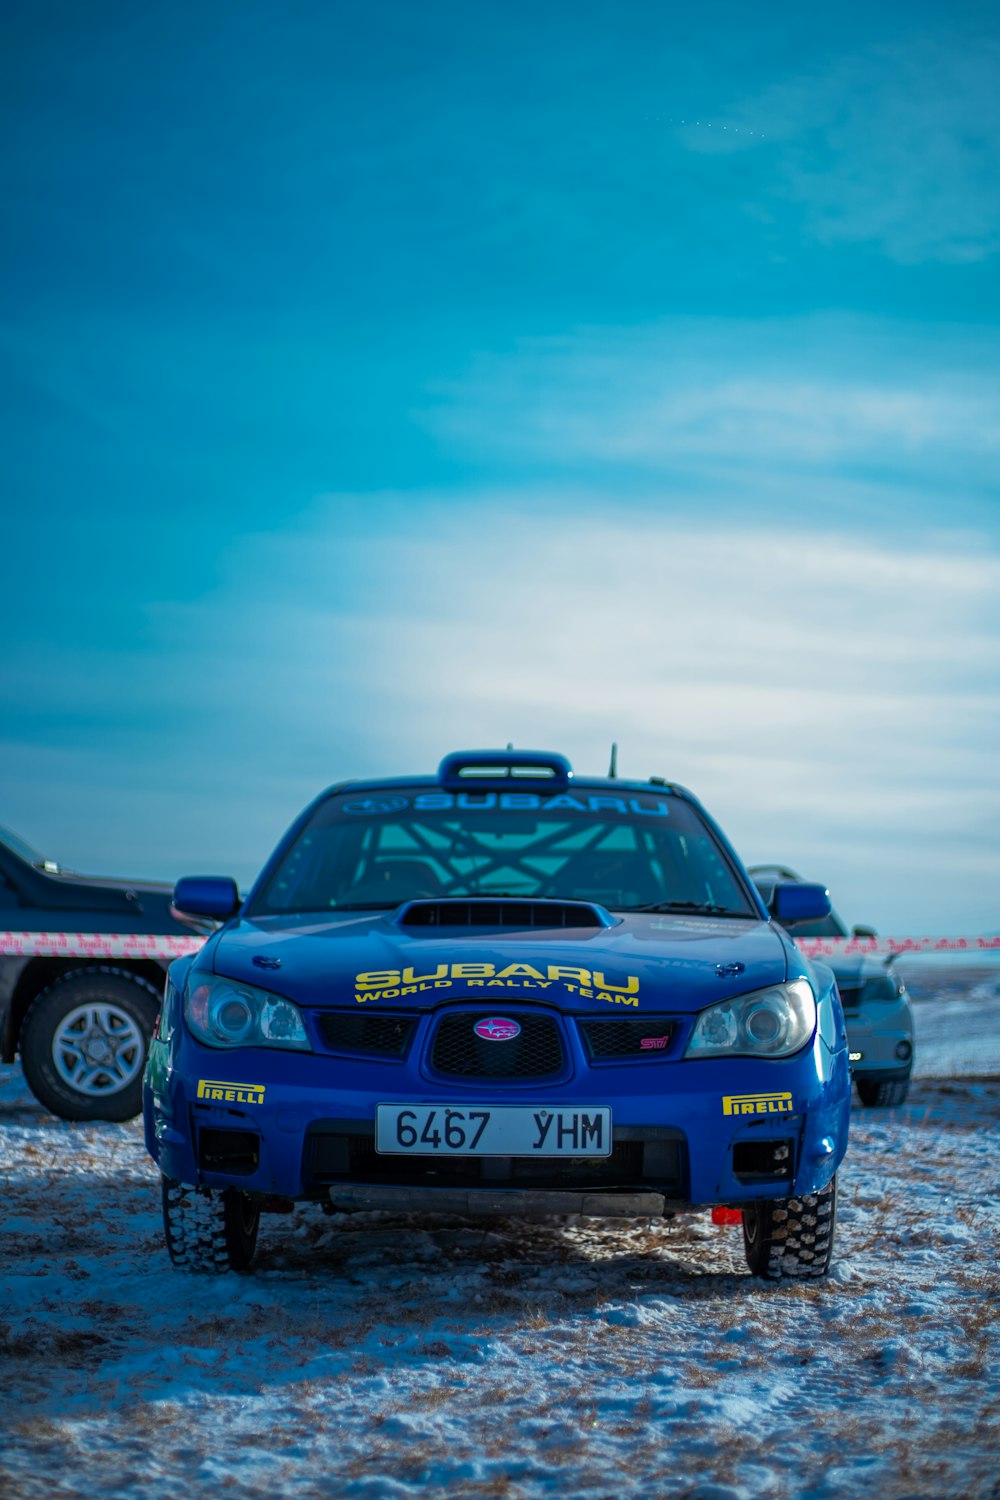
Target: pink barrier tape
x,y
96,945
160,945
881,946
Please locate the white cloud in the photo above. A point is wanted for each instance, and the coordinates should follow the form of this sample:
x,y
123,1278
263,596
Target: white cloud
x,y
802,683
833,699
756,401
898,147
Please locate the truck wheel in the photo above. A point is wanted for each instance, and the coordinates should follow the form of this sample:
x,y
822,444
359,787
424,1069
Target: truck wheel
x,y
882,1092
84,1043
791,1236
208,1230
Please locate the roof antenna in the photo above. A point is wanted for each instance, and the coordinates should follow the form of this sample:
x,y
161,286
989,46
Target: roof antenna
x,y
613,768
510,744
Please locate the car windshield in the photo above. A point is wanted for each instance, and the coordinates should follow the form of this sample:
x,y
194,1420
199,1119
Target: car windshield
x,y
628,851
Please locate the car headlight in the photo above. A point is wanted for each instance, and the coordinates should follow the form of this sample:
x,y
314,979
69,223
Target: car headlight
x,y
767,1023
225,1013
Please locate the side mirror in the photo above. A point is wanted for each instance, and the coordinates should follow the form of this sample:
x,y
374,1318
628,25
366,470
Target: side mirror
x,y
859,931
797,901
215,896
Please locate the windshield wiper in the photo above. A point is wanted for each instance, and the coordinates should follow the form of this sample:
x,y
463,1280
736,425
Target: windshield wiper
x,y
703,908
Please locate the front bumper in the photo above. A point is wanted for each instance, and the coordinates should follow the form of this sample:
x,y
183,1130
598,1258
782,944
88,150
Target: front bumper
x,y
880,1039
301,1126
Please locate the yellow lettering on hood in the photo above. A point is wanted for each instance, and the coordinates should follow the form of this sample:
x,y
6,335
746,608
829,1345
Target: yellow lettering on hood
x,y
524,970
630,987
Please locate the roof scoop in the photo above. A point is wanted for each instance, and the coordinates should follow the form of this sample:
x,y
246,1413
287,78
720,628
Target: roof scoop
x,y
524,770
488,911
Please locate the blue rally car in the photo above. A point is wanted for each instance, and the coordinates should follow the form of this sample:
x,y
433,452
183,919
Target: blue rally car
x,y
503,989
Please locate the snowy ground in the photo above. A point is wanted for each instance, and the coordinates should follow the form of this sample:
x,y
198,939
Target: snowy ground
x,y
956,1015
392,1357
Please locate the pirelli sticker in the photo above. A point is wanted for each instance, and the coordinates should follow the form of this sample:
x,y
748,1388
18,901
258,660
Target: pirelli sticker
x,y
230,1093
756,1104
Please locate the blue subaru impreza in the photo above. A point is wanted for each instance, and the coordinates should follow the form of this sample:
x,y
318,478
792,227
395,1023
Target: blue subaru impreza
x,y
502,989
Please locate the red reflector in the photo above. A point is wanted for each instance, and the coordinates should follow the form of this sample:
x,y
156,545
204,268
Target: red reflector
x,y
727,1216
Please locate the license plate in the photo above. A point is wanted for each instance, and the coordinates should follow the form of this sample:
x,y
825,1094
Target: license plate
x,y
504,1130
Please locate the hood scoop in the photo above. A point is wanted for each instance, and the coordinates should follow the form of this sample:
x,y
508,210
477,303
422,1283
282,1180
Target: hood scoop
x,y
486,911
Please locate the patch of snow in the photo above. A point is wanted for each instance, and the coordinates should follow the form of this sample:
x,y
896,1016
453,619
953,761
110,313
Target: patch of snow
x,y
386,1357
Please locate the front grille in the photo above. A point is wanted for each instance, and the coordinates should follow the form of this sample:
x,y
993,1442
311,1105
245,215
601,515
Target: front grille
x,y
850,996
484,912
613,1039
383,1036
332,1156
459,1053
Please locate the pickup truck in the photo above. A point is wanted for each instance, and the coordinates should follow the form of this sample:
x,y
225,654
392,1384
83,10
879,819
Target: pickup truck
x,y
82,965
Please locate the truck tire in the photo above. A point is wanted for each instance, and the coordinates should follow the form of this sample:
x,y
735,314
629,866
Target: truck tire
x,y
791,1236
84,1043
208,1230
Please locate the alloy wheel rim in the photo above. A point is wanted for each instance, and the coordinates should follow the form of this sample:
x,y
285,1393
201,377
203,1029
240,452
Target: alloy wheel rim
x,y
98,1049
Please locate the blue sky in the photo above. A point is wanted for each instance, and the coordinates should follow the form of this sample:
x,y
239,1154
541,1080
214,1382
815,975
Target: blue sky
x,y
383,379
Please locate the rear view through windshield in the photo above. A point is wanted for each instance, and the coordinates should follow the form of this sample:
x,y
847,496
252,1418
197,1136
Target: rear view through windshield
x,y
376,851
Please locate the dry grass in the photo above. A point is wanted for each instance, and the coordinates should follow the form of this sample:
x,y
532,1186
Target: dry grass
x,y
605,1347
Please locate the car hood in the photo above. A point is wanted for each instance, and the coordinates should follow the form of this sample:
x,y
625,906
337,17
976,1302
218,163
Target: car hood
x,y
85,903
672,962
853,969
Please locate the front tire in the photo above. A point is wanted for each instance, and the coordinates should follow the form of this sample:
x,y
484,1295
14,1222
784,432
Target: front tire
x,y
84,1043
208,1230
882,1093
791,1236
